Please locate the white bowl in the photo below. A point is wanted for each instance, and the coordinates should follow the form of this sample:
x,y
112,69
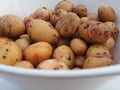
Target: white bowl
x,y
88,79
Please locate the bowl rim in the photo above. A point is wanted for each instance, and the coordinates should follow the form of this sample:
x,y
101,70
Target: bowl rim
x,y
85,73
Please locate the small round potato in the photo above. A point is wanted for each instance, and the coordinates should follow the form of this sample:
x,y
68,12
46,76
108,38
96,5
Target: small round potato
x,y
24,64
10,53
110,43
93,16
52,64
79,60
98,50
26,37
66,5
40,30
94,32
43,13
22,43
80,10
94,62
84,19
78,46
106,13
37,52
68,24
64,54
11,26
114,29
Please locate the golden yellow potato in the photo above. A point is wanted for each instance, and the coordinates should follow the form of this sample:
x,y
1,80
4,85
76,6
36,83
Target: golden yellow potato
x,y
64,54
78,46
37,52
106,13
11,26
94,62
24,64
40,30
52,64
10,53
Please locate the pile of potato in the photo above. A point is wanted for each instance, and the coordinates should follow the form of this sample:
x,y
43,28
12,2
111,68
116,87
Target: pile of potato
x,y
67,38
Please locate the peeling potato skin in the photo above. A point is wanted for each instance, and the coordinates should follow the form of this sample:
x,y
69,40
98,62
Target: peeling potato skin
x,y
68,24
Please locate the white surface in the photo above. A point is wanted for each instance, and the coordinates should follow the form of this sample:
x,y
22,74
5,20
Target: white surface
x,y
113,85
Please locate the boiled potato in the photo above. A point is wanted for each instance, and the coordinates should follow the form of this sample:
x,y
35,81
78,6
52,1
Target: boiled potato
x,y
80,10
52,64
78,46
37,52
64,54
22,43
10,53
43,13
65,4
94,32
94,62
68,24
106,13
40,30
11,26
24,64
98,50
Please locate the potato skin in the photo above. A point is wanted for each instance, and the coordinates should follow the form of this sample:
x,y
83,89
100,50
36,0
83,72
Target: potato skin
x,y
40,30
37,52
94,32
24,64
10,53
68,24
106,13
11,26
65,4
79,60
95,62
64,54
52,64
78,46
93,16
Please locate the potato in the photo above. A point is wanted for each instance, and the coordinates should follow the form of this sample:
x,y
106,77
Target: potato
x,y
65,4
114,29
57,15
68,24
11,26
10,53
106,13
22,43
43,13
110,43
37,52
79,60
75,68
52,64
78,46
84,19
94,62
26,37
80,10
98,50
64,54
24,64
94,32
40,30
93,16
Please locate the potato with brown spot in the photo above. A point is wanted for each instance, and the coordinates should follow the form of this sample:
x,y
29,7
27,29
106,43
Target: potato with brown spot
x,y
64,53
106,13
43,13
11,26
24,64
95,62
80,10
10,53
68,24
40,30
78,46
37,52
66,5
52,64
